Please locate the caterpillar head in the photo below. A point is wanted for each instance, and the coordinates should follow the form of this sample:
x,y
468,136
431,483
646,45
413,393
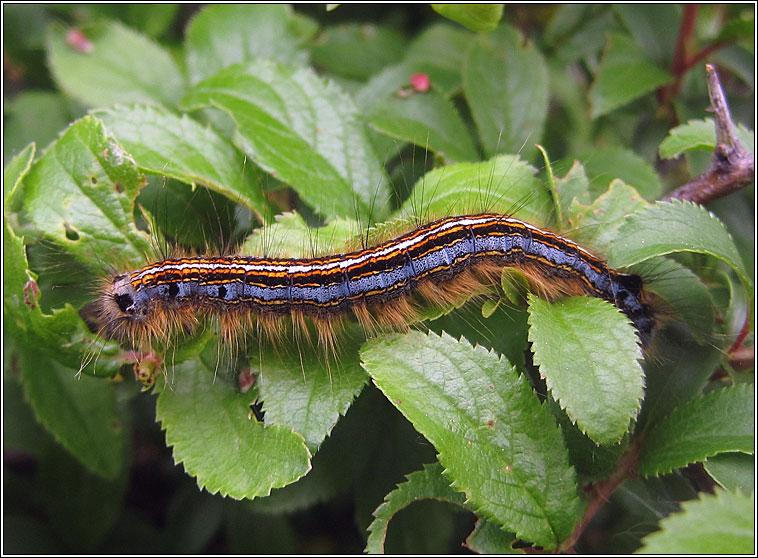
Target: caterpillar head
x,y
139,316
630,298
121,311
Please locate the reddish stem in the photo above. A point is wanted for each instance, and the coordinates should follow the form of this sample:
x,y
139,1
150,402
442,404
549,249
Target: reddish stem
x,y
680,62
602,491
707,51
742,335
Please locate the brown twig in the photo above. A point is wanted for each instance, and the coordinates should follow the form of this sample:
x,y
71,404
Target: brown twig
x,y
680,61
733,167
602,491
683,61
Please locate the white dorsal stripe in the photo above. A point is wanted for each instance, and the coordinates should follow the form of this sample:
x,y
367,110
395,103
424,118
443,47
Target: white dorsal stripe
x,y
344,262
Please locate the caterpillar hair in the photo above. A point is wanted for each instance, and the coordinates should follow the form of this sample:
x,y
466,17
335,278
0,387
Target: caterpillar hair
x,y
443,261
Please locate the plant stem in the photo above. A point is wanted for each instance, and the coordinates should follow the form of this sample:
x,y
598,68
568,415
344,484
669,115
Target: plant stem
x,y
733,167
602,491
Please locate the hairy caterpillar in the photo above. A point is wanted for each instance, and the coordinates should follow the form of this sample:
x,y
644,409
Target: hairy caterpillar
x,y
441,261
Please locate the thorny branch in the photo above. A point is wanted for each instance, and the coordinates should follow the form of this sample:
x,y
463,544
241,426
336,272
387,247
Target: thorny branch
x,y
733,167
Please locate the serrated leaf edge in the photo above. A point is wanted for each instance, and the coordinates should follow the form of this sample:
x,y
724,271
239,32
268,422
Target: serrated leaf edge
x,y
559,399
679,409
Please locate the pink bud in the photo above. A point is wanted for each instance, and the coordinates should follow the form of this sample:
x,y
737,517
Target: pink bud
x,y
79,41
420,83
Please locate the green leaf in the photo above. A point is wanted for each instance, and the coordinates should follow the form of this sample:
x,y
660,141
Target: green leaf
x,y
699,135
168,145
506,87
390,81
21,431
35,116
592,462
498,444
504,331
78,410
308,390
225,34
477,17
588,353
122,67
597,225
438,52
14,172
650,27
424,484
152,19
720,421
574,186
216,438
679,372
82,507
732,470
290,237
605,164
61,335
81,193
428,120
668,227
683,293
358,51
441,49
336,466
303,130
741,28
625,73
718,524
504,184
578,31
489,538
645,501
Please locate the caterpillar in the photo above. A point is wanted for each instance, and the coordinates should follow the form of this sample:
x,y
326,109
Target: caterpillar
x,y
441,261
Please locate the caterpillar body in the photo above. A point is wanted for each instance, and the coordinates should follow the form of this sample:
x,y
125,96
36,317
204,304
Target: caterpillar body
x,y
442,261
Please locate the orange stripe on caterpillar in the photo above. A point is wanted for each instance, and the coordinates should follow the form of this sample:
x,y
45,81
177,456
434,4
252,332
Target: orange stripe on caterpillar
x,y
444,260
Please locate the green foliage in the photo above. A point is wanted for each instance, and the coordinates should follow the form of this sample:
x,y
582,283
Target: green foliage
x,y
588,358
506,88
497,442
666,228
249,459
106,70
477,17
612,87
719,524
733,471
311,402
290,131
248,33
699,135
430,121
606,164
303,130
721,421
83,188
181,148
427,483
